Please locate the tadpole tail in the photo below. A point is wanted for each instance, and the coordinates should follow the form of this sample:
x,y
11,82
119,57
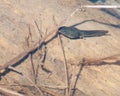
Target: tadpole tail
x,y
94,33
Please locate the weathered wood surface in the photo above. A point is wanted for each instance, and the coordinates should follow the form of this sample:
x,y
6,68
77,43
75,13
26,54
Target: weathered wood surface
x,y
15,15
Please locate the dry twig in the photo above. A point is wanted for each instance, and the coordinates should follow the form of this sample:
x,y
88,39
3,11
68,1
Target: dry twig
x,y
65,61
66,67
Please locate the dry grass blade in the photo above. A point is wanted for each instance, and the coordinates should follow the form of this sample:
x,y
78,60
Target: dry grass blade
x,y
41,94
38,29
49,92
30,34
37,87
10,92
33,67
30,55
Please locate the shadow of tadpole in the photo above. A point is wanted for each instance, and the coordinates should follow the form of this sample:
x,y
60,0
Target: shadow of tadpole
x,y
7,70
94,1
74,33
92,20
111,12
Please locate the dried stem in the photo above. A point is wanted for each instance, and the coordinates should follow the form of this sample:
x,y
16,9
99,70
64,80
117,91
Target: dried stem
x,y
66,67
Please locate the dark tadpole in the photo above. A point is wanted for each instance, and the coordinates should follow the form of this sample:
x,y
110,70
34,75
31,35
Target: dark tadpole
x,y
74,33
69,32
94,1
